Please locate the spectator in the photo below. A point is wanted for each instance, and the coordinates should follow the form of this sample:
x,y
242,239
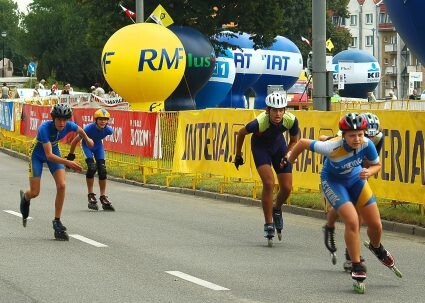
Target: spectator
x,y
66,90
5,91
25,70
371,97
112,93
99,91
414,95
92,88
36,91
392,95
336,97
41,84
55,86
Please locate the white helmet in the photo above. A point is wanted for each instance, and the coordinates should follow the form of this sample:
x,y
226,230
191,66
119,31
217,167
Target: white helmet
x,y
277,99
372,124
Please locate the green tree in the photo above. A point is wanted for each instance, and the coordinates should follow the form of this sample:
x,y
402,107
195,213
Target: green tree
x,y
9,23
67,37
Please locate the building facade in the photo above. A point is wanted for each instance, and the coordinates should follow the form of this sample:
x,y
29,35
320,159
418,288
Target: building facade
x,y
372,31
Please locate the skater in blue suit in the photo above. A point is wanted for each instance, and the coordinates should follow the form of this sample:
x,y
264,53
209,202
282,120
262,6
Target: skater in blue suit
x,y
45,149
344,184
95,158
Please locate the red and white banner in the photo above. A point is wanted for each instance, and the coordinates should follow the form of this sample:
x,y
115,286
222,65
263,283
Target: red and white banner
x,y
135,133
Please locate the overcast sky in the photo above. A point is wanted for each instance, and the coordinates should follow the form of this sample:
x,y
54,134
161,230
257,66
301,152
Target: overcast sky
x,y
22,5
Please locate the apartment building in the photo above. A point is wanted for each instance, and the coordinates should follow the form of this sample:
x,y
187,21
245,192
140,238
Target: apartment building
x,y
372,31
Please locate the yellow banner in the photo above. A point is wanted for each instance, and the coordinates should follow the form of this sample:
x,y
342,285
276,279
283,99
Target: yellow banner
x,y
402,176
206,142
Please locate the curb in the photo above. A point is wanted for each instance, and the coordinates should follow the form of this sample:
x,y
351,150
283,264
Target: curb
x,y
308,212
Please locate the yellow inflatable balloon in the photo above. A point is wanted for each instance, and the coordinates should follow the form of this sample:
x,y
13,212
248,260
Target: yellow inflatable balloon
x,y
143,63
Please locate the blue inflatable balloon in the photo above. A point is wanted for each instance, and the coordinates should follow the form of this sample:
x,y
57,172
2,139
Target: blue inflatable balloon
x,y
221,81
283,64
407,16
249,67
358,70
200,62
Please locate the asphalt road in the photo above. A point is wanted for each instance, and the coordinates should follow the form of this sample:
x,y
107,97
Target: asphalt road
x,y
168,247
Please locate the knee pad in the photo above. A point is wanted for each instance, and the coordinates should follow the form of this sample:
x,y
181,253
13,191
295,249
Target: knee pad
x,y
101,169
91,168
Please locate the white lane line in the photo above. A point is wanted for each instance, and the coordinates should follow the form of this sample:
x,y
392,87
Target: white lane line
x,y
15,213
88,241
196,280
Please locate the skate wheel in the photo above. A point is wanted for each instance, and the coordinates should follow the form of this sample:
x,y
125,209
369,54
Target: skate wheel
x,y
24,222
269,242
397,272
359,287
61,236
333,259
279,236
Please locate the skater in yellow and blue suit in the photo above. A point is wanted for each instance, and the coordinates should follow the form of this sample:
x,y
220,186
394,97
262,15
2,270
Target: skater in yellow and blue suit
x,y
344,184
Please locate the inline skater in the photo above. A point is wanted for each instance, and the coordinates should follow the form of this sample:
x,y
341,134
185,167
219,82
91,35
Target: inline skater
x,y
345,186
269,147
374,133
45,149
97,131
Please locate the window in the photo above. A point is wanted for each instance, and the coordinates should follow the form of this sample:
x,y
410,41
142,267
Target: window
x,y
369,40
369,18
353,42
386,61
342,20
394,39
335,20
353,20
383,18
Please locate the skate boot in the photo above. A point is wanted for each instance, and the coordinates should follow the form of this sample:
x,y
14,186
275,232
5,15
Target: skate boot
x,y
358,274
269,233
278,222
348,265
329,233
106,205
385,257
92,201
60,233
24,207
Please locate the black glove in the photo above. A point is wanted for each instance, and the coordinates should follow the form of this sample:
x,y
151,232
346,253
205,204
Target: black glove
x,y
238,161
70,157
284,162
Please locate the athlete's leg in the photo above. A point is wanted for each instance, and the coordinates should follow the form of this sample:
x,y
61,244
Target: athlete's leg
x,y
267,177
90,185
102,173
91,171
331,217
372,219
349,215
285,188
59,176
34,190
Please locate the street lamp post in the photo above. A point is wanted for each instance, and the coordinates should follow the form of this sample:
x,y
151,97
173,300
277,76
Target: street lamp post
x,y
3,35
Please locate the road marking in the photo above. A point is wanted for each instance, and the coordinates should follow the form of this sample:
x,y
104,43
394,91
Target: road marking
x,y
196,280
88,241
15,213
